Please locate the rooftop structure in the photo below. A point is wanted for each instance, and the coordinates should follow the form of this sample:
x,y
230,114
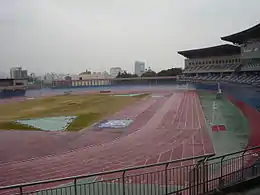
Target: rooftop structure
x,y
220,50
243,36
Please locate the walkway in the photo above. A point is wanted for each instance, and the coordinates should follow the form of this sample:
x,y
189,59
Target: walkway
x,y
223,112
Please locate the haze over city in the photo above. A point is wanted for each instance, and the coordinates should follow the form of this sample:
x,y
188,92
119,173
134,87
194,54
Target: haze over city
x,y
67,36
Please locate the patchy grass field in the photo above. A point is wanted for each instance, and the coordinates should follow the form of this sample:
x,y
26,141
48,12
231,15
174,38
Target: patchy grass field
x,y
89,108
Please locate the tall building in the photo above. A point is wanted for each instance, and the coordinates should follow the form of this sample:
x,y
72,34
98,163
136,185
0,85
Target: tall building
x,y
114,71
139,68
18,73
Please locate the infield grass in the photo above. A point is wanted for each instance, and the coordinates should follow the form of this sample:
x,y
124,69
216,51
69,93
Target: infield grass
x,y
89,108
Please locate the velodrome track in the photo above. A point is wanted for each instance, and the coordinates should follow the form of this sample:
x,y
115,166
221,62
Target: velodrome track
x,y
165,128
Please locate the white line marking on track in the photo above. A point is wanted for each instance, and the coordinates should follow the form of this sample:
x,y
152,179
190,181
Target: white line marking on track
x,y
186,110
177,111
192,111
146,161
200,107
181,111
183,143
182,152
158,160
214,108
193,149
197,112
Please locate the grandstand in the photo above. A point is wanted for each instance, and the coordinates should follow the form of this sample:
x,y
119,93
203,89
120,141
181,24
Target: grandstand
x,y
233,63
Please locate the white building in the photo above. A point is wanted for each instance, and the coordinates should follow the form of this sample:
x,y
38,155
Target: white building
x,y
49,77
94,75
139,68
93,79
114,71
18,73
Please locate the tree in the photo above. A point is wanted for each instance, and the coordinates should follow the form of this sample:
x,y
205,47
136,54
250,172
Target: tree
x,y
68,78
124,74
149,74
170,72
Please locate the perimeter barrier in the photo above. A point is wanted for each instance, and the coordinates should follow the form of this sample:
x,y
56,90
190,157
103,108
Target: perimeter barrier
x,y
193,176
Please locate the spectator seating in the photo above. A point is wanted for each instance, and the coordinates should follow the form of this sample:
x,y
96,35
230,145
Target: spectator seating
x,y
251,67
226,73
242,79
211,68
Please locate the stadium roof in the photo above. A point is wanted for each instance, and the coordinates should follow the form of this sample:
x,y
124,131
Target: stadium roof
x,y
241,37
220,50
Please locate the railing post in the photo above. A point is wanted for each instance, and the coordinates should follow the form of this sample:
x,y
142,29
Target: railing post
x,y
202,176
243,166
21,190
206,175
75,186
194,179
221,181
166,178
123,182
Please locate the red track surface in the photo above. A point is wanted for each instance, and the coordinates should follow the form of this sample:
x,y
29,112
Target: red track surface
x,y
29,144
165,128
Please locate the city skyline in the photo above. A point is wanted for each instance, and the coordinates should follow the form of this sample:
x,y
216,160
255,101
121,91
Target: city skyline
x,y
71,36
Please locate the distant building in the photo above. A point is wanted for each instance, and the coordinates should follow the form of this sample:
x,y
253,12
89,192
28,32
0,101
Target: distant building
x,y
114,71
84,79
139,68
48,78
105,73
18,73
93,75
67,78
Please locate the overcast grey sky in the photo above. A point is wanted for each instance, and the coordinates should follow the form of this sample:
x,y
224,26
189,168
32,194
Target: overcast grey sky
x,y
69,36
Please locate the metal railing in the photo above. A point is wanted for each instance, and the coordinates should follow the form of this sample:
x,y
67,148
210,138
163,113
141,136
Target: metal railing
x,y
195,175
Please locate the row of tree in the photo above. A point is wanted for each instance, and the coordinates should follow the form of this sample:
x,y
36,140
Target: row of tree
x,y
151,73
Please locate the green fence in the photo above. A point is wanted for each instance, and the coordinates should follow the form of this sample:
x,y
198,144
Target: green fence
x,y
196,175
